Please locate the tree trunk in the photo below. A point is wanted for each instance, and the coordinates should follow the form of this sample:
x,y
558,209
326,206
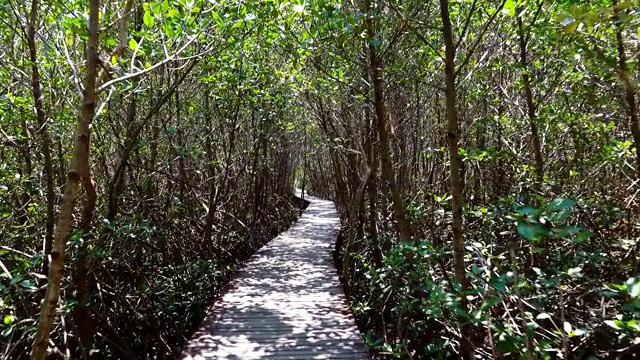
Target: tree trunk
x,y
80,172
454,162
117,184
630,96
388,175
211,152
531,108
353,211
43,129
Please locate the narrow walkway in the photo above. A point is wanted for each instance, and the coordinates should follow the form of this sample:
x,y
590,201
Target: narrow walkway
x,y
287,301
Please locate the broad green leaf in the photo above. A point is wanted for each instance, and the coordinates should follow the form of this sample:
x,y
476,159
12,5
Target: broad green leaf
x,y
527,231
571,27
633,324
509,7
623,5
218,19
133,44
560,216
527,210
560,203
582,236
148,19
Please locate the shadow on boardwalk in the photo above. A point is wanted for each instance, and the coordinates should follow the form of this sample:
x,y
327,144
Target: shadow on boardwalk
x,y
286,303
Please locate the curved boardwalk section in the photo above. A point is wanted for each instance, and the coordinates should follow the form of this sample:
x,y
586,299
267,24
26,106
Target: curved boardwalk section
x,y
287,301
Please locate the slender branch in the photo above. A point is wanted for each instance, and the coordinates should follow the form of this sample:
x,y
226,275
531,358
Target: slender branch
x,y
480,37
155,66
466,24
414,31
533,21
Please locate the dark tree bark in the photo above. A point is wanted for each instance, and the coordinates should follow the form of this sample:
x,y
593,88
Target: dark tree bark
x,y
388,176
43,129
630,94
531,107
454,165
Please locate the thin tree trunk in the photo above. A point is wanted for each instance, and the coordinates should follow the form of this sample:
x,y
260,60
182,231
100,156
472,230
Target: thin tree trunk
x,y
630,96
356,201
23,200
531,108
117,184
372,158
454,162
211,151
43,129
375,63
80,172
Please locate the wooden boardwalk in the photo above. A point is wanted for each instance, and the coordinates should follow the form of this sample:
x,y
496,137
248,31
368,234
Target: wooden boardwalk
x,y
287,301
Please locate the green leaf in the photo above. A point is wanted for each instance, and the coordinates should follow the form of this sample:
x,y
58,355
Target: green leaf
x,y
28,285
9,319
560,203
133,44
498,284
571,27
148,19
623,5
509,8
527,231
490,302
218,19
633,324
560,216
582,236
633,286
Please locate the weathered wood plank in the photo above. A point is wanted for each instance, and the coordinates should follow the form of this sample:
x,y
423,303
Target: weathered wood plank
x,y
286,302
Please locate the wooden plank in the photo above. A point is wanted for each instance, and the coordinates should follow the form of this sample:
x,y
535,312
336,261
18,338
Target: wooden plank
x,y
286,302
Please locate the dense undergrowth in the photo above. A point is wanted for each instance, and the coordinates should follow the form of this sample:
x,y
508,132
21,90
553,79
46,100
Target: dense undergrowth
x,y
572,298
152,290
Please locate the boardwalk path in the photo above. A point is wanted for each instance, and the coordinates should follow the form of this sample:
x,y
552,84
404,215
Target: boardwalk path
x,y
286,303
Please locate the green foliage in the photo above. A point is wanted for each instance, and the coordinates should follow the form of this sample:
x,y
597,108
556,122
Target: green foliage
x,y
223,138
